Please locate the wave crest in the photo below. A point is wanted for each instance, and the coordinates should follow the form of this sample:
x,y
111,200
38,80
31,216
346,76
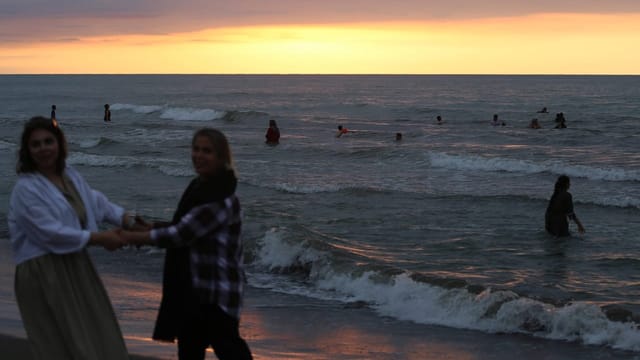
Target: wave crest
x,y
405,297
168,167
478,163
173,113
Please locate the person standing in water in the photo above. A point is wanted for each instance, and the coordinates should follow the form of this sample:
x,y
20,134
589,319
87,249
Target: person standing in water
x,y
561,122
107,113
53,112
273,133
560,209
534,124
341,131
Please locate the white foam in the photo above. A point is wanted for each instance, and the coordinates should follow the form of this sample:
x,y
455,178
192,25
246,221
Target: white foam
x,y
587,323
89,143
470,162
310,188
403,298
5,145
276,253
479,163
176,170
617,200
166,166
191,114
173,113
139,109
78,158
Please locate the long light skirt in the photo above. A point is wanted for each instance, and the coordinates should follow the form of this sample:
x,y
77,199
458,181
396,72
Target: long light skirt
x,y
65,309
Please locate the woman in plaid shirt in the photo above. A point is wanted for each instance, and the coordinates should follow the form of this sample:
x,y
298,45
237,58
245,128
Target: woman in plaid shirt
x,y
203,271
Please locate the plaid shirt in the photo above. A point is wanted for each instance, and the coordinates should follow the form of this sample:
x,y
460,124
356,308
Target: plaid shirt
x,y
212,232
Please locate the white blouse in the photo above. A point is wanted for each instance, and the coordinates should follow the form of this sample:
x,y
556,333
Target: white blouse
x,y
42,221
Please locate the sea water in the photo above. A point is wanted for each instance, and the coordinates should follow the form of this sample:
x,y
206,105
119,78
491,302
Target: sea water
x,y
444,227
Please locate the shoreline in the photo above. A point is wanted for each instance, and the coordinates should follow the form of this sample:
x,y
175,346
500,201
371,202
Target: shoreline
x,y
294,329
284,326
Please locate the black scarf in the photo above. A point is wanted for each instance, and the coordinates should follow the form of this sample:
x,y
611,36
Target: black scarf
x,y
176,281
201,191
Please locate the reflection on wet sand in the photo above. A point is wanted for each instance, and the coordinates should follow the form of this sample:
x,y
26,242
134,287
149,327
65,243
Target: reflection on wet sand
x,y
322,335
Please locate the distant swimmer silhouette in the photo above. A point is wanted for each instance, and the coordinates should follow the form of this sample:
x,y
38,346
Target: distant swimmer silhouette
x,y
53,112
398,136
534,124
107,113
439,120
543,110
561,122
496,122
341,131
273,133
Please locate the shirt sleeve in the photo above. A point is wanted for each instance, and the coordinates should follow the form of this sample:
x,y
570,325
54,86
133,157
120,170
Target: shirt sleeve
x,y
42,226
197,223
102,209
105,210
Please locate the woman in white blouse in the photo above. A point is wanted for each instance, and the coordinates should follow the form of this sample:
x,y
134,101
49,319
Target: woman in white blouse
x,y
53,216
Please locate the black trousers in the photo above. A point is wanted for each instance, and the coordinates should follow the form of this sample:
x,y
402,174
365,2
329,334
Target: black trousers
x,y
210,326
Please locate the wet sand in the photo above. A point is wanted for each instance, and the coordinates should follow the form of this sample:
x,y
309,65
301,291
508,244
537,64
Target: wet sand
x,y
296,330
280,326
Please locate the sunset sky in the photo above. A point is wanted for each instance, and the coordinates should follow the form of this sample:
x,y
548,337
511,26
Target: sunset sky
x,y
320,37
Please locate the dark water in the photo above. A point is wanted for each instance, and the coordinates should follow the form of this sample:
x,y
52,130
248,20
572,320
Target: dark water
x,y
444,227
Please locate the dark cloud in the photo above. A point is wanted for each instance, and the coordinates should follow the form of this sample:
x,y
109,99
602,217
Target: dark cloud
x,y
52,19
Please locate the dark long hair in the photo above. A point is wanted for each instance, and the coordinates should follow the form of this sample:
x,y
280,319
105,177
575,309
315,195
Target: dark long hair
x,y
25,162
220,145
562,184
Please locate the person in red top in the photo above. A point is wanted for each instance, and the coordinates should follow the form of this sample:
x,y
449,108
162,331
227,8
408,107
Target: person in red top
x,y
273,133
341,130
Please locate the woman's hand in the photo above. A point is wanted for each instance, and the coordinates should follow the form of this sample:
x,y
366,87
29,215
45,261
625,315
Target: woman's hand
x,y
141,224
137,238
109,240
134,222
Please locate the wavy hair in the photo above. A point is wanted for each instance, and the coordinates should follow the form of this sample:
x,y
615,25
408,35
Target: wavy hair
x,y
25,162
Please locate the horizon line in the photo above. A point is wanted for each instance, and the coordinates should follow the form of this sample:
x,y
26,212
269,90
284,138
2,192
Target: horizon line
x,y
317,74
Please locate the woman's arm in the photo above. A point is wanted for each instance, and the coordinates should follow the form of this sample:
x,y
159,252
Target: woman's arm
x,y
571,215
577,221
198,222
137,238
109,240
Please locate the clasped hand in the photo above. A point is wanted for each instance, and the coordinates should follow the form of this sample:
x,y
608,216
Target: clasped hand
x,y
137,234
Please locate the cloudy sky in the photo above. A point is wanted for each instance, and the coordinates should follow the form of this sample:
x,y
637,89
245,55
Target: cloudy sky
x,y
327,36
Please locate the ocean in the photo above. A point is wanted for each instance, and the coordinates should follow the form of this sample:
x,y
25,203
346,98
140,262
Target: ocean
x,y
443,228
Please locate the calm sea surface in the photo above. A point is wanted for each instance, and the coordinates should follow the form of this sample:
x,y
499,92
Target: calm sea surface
x,y
444,227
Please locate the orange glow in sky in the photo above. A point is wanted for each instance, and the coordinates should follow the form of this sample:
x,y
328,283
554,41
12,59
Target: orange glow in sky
x,y
535,44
